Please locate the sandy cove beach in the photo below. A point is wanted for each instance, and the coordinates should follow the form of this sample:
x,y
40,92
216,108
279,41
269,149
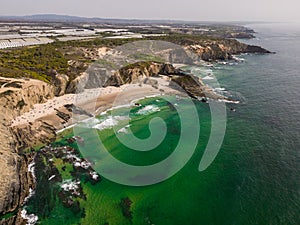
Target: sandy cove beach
x,y
93,101
50,107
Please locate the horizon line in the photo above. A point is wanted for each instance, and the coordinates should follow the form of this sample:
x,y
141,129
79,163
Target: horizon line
x,y
143,19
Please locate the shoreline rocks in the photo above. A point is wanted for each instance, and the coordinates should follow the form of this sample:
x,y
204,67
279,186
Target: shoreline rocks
x,y
15,178
223,49
143,71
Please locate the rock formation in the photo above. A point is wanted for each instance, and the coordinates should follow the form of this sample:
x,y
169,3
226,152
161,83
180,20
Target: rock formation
x,y
136,72
60,83
223,49
15,178
141,72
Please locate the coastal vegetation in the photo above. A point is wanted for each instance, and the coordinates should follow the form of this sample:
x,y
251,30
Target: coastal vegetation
x,y
73,57
32,62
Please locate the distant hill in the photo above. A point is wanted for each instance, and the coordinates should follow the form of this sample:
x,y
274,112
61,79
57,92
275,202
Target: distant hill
x,y
77,19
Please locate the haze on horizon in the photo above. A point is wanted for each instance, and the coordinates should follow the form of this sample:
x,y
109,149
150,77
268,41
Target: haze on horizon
x,y
192,10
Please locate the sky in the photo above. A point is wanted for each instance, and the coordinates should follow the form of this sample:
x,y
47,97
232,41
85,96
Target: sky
x,y
191,10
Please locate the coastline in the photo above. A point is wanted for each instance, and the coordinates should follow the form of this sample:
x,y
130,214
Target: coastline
x,y
58,112
40,125
255,174
100,101
93,101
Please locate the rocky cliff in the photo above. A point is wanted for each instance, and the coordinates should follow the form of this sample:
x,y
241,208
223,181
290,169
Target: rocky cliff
x,y
141,72
136,72
211,50
16,97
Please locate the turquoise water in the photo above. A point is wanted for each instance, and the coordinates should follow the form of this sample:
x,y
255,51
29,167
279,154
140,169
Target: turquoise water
x,y
255,178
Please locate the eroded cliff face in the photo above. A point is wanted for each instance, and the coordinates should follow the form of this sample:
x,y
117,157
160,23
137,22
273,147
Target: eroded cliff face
x,y
212,50
142,72
16,97
184,51
60,83
137,72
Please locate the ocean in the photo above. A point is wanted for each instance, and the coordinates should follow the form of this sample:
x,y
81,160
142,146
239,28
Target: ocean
x,y
255,177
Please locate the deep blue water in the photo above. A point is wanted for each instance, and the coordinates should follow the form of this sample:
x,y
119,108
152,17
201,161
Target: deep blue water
x,y
267,149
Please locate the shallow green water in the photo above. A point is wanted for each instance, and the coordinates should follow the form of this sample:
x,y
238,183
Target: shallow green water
x,y
156,203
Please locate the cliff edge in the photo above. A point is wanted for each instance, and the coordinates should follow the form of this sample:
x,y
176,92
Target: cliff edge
x,y
16,97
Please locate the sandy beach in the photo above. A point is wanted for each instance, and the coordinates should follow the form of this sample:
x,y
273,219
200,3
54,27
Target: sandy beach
x,y
93,101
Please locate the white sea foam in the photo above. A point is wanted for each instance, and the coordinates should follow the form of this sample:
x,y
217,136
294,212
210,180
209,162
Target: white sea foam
x,y
69,185
52,177
31,219
142,98
207,78
90,122
229,101
31,193
94,175
209,65
110,122
124,129
218,68
31,169
223,63
148,110
120,107
238,59
219,89
66,128
209,71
